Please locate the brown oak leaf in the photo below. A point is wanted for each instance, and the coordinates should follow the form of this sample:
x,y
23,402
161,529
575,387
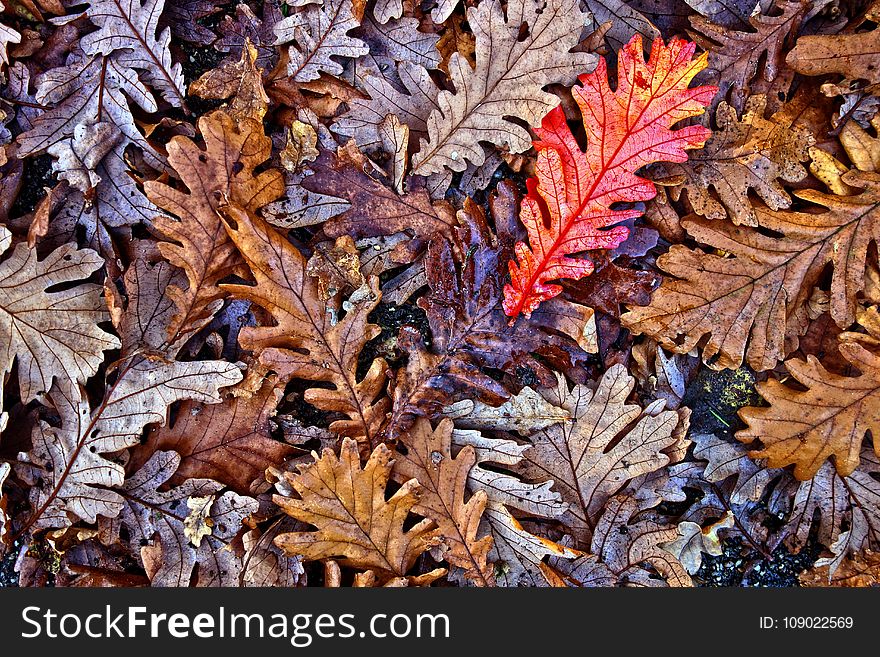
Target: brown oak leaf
x,y
744,154
829,419
196,241
428,459
354,520
305,342
759,295
229,442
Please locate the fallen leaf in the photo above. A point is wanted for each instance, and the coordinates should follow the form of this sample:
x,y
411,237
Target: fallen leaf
x,y
51,335
305,342
428,459
495,88
354,519
569,203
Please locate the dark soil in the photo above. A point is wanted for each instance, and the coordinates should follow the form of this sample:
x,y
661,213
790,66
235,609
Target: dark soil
x,y
37,176
8,576
739,565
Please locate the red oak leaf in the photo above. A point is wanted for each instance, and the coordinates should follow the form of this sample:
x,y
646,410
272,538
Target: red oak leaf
x,y
569,202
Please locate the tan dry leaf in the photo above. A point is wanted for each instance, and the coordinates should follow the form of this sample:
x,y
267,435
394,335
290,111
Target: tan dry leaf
x,y
52,335
500,485
142,319
305,342
264,564
829,419
759,296
395,140
428,459
694,540
517,553
196,241
338,270
301,146
77,157
198,523
854,55
606,444
625,551
361,122
744,154
229,442
725,459
829,170
77,481
862,148
354,520
510,72
319,33
524,412
848,510
239,80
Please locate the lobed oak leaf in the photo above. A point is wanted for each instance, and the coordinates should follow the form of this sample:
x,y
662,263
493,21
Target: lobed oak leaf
x,y
69,98
353,518
860,570
727,460
78,481
846,508
511,70
127,29
412,106
606,444
396,42
159,521
745,154
503,487
320,34
761,293
52,335
143,318
625,551
569,203
735,56
305,342
78,92
196,241
524,412
428,459
264,564
829,419
229,442
518,553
